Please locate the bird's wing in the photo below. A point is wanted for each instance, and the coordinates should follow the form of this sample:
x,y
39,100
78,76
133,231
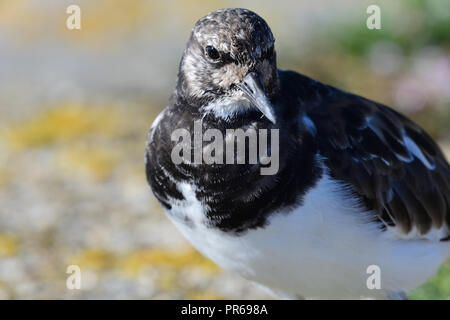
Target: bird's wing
x,y
390,161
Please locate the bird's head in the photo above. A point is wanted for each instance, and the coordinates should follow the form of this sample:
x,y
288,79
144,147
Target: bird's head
x,y
229,64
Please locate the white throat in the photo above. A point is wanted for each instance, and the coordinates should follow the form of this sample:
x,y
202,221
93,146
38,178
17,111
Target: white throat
x,y
228,107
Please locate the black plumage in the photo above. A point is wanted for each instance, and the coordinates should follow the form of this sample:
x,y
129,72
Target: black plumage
x,y
388,162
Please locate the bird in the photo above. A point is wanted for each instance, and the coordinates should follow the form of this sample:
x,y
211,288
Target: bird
x,y
358,206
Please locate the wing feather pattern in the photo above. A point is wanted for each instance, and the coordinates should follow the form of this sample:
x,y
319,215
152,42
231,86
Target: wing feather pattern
x,y
390,161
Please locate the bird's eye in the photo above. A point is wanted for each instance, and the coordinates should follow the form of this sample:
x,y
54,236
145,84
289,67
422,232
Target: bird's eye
x,y
212,52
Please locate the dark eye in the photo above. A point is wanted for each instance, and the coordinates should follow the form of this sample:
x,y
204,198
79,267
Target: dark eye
x,y
212,52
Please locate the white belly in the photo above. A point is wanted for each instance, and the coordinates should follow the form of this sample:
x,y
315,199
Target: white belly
x,y
322,249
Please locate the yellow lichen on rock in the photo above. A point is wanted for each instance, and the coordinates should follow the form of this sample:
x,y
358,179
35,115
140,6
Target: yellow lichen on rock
x,y
8,245
190,258
97,162
93,258
66,123
204,295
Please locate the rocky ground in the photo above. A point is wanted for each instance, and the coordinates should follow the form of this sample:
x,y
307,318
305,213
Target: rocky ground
x,y
73,191
75,107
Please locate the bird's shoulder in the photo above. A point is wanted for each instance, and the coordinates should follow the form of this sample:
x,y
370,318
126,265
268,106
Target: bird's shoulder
x,y
392,163
160,169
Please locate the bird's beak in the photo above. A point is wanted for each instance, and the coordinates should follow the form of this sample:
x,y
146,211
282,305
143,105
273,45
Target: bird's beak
x,y
253,88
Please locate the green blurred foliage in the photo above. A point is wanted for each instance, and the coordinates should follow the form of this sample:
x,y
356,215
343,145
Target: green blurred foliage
x,y
438,287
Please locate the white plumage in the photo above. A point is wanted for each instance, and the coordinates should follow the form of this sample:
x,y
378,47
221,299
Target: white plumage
x,y
321,249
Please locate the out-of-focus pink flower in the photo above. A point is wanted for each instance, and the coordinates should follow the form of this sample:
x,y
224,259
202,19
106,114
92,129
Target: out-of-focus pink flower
x,y
411,96
428,81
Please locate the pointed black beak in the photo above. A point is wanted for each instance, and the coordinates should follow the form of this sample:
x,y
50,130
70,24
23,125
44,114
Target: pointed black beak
x,y
253,88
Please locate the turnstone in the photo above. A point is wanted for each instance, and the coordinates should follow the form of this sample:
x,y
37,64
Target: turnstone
x,y
358,185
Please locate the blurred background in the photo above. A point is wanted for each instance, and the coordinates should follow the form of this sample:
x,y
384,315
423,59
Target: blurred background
x,y
75,106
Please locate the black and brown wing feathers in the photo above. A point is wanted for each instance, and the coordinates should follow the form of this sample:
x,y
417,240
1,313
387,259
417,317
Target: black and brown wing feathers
x,y
389,160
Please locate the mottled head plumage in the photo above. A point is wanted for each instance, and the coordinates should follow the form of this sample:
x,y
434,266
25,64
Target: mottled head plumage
x,y
241,42
240,32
